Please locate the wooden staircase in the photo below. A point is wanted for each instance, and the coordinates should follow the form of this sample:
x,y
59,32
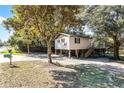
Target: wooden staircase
x,y
90,49
89,52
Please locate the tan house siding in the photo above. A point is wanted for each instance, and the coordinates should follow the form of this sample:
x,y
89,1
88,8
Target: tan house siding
x,y
84,43
69,43
72,43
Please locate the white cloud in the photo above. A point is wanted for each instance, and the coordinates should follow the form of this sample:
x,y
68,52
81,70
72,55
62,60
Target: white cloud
x,y
2,19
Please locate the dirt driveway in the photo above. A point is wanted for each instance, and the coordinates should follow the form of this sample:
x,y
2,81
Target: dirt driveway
x,y
103,63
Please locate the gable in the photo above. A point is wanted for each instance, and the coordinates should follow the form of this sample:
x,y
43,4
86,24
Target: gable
x,y
72,35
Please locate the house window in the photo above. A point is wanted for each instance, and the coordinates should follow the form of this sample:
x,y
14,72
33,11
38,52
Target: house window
x,y
58,41
65,44
77,40
63,40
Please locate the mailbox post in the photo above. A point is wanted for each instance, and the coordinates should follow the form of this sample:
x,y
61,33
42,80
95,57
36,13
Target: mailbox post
x,y
10,51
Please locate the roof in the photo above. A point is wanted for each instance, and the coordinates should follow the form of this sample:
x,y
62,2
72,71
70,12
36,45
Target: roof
x,y
75,35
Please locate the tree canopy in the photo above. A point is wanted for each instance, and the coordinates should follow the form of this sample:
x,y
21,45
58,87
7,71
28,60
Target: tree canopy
x,y
48,21
107,22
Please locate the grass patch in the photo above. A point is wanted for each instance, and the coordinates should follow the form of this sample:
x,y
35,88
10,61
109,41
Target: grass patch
x,y
110,55
91,76
14,51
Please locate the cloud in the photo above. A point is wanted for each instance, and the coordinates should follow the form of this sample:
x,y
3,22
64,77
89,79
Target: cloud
x,y
2,19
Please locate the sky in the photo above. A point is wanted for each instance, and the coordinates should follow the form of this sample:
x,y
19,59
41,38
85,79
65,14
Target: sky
x,y
5,12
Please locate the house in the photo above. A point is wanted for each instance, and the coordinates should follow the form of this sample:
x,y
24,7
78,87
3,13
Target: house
x,y
69,42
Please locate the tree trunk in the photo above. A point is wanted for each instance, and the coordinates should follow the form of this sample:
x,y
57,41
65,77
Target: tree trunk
x,y
28,49
49,52
116,50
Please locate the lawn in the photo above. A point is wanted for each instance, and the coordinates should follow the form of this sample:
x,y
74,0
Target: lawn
x,y
121,54
41,74
14,51
92,76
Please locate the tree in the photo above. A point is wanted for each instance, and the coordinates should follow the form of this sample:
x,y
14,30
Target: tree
x,y
25,39
26,36
108,22
1,43
48,21
12,40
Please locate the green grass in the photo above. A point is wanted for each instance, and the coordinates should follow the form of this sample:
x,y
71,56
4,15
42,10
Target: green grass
x,y
121,51
94,77
121,54
14,51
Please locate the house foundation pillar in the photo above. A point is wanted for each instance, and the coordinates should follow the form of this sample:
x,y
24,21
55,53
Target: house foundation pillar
x,y
76,53
69,53
60,52
55,52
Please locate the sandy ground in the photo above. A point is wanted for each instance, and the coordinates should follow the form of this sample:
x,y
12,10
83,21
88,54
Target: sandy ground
x,y
36,74
52,76
74,61
100,62
16,58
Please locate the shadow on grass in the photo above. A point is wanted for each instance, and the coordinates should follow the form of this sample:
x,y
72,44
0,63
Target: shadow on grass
x,y
88,76
67,79
110,56
122,58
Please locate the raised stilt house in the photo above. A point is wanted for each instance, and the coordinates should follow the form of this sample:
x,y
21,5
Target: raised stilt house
x,y
74,44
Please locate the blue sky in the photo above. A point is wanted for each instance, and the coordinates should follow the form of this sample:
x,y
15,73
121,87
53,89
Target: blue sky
x,y
5,12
